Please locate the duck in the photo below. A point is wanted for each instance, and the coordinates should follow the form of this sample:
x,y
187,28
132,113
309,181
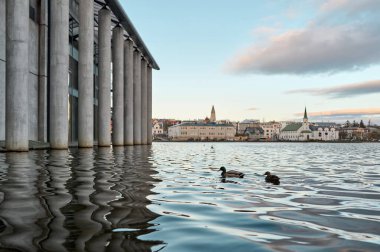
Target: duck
x,y
231,173
272,178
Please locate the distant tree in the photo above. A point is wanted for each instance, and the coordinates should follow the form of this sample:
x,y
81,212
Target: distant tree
x,y
355,124
361,125
342,135
347,124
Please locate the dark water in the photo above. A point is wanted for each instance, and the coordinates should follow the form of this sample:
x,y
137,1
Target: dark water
x,y
169,197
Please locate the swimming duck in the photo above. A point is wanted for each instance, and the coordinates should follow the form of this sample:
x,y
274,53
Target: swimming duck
x,y
272,178
230,174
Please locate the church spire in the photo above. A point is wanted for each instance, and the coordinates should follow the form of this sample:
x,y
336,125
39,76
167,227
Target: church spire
x,y
305,114
305,119
213,117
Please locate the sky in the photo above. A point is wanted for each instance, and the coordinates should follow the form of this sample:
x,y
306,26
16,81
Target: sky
x,y
266,60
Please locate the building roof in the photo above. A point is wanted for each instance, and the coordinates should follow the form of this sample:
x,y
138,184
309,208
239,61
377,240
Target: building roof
x,y
325,124
118,17
254,130
250,121
292,127
201,124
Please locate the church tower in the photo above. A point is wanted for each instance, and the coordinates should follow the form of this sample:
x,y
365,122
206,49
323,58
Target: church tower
x,y
212,117
305,119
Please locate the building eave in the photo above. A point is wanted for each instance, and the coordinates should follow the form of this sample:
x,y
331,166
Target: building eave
x,y
124,20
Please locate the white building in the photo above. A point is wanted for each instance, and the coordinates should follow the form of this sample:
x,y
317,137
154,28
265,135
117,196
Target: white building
x,y
202,131
207,130
306,132
157,129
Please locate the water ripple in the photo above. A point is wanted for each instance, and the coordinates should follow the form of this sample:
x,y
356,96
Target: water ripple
x,y
170,197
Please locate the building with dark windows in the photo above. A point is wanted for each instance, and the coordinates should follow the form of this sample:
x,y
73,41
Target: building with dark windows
x,y
72,73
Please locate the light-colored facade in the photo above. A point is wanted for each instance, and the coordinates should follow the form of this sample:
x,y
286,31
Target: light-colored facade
x,y
306,132
355,133
56,57
202,132
271,130
157,129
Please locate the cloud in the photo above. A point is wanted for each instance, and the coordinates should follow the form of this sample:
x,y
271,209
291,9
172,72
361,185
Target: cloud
x,y
339,38
343,91
344,113
350,6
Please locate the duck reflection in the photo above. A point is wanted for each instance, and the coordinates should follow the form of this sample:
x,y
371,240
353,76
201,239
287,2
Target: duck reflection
x,y
77,200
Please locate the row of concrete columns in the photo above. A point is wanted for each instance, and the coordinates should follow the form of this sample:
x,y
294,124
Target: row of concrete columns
x,y
131,80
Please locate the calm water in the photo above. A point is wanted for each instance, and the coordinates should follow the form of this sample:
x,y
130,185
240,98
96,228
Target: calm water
x,y
169,197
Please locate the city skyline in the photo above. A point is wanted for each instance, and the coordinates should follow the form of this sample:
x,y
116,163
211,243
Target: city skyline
x,y
263,60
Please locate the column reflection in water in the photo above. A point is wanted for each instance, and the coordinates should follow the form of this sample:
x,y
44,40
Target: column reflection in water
x,y
20,209
77,200
130,216
57,196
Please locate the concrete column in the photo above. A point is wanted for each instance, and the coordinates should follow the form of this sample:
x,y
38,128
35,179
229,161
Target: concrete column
x,y
128,92
86,74
104,109
149,81
118,86
2,68
17,71
42,72
136,97
59,74
144,103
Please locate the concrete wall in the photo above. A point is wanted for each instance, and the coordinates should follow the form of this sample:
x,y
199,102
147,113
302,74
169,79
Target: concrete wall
x,y
33,79
2,69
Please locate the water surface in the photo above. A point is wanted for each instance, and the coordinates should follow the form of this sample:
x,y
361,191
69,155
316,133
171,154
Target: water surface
x,y
170,197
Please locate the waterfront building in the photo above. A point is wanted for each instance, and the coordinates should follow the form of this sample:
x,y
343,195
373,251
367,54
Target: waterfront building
x,y
354,133
305,132
209,129
55,75
196,131
255,133
271,130
247,123
157,128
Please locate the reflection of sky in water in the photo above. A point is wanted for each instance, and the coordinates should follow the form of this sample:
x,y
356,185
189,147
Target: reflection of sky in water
x,y
323,201
170,197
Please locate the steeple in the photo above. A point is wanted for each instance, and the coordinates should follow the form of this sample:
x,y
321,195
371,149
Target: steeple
x,y
305,114
213,117
305,119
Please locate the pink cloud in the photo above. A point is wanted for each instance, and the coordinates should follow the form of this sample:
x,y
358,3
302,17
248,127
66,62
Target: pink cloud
x,y
343,91
344,36
344,112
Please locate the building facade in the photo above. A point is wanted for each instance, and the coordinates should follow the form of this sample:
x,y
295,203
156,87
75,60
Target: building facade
x,y
306,132
187,131
157,128
57,60
247,123
271,130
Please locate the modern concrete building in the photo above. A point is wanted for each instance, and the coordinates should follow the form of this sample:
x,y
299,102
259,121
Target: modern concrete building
x,y
57,60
